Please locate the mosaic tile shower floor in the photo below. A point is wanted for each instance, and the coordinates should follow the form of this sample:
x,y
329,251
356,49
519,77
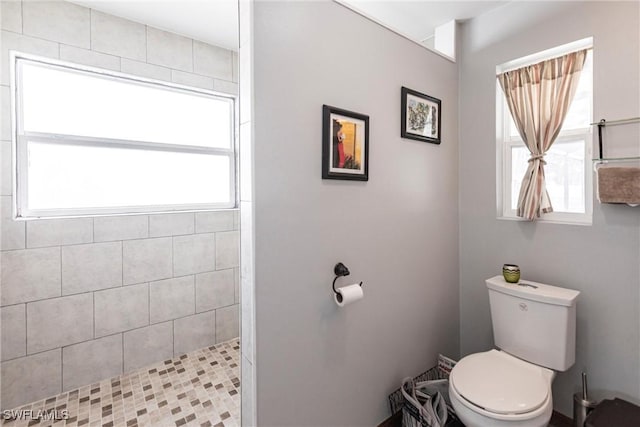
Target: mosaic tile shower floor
x,y
201,388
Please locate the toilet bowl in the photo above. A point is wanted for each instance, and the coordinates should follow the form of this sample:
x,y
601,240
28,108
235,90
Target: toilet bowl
x,y
534,325
495,389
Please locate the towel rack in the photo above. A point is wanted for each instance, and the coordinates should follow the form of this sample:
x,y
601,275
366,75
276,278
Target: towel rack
x,y
601,124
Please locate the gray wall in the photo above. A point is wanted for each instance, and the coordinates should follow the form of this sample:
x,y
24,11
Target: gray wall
x,y
602,260
318,364
86,299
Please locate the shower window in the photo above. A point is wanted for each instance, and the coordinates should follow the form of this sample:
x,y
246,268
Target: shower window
x,y
93,142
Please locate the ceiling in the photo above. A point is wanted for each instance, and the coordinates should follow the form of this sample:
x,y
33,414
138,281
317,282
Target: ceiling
x,y
216,21
417,20
211,21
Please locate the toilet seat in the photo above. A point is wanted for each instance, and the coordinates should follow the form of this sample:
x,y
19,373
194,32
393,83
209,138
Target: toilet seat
x,y
498,383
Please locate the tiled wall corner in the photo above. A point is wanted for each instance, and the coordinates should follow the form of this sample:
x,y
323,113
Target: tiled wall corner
x,y
248,393
244,74
87,298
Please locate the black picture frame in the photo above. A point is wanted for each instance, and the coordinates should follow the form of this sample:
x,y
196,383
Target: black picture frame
x,y
417,116
345,144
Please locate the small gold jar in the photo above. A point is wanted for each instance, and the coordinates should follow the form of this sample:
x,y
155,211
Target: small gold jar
x,y
511,273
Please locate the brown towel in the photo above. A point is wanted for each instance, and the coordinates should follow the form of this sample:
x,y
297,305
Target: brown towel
x,y
619,185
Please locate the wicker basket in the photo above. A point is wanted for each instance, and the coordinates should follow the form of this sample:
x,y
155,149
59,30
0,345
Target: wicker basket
x,y
410,415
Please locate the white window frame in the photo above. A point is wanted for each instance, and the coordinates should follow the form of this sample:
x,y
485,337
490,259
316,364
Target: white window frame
x,y
20,138
505,142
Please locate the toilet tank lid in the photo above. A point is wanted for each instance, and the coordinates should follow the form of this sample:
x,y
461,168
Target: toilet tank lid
x,y
534,291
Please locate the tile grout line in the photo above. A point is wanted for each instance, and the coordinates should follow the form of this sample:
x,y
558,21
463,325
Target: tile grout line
x,y
215,251
61,369
193,59
173,266
26,335
61,288
146,45
90,29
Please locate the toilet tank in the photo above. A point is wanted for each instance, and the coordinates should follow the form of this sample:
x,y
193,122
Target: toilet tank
x,y
534,322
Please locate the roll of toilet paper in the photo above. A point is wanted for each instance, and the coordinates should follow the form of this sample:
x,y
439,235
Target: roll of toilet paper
x,y
348,294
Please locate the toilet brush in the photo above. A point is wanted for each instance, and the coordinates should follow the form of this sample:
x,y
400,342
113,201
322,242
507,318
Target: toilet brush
x,y
581,404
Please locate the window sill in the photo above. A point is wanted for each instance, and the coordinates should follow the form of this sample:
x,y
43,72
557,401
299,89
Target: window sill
x,y
116,214
584,220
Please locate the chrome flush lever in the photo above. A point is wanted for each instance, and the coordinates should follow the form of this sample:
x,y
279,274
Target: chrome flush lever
x,y
528,285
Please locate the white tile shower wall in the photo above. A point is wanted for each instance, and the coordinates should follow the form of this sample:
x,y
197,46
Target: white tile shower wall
x,y
89,298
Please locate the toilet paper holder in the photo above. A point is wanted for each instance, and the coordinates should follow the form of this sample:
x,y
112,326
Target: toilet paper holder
x,y
340,270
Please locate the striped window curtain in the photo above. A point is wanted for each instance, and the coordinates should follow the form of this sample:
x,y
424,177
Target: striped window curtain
x,y
539,97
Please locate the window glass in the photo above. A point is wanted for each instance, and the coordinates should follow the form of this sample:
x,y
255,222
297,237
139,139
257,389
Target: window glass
x,y
90,142
76,176
62,101
564,175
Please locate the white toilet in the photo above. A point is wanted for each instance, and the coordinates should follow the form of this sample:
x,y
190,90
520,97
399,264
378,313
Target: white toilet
x,y
534,326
